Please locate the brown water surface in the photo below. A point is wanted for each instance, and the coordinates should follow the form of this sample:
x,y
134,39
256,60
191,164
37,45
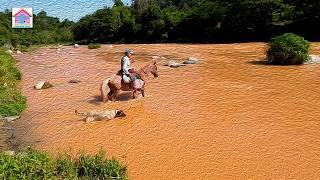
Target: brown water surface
x,y
232,116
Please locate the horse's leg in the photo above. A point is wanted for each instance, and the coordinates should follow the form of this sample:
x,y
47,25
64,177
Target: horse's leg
x,y
114,96
142,91
110,95
134,94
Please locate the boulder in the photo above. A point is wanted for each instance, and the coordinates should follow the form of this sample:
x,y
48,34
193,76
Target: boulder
x,y
74,81
9,51
19,52
43,85
313,59
174,64
191,60
76,45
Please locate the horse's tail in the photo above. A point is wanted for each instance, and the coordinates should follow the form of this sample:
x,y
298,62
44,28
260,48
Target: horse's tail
x,y
103,90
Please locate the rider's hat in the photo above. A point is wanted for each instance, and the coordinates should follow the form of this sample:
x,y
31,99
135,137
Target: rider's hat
x,y
128,51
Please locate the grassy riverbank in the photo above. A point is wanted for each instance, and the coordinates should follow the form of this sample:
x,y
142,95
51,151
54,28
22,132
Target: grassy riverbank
x,y
11,100
32,164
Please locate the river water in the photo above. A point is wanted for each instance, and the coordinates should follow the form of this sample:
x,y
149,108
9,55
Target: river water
x,y
231,116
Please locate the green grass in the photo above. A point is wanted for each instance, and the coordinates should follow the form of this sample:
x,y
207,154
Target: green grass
x,y
11,100
32,164
288,49
94,46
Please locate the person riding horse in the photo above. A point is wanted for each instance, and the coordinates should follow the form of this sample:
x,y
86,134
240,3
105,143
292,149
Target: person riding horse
x,y
128,73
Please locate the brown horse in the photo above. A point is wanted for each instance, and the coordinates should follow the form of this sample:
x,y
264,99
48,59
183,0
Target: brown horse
x,y
116,84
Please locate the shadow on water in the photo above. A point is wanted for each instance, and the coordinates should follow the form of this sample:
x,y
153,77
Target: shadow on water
x,y
259,62
96,100
124,96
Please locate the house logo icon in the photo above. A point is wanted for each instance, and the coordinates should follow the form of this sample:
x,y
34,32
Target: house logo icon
x,y
22,18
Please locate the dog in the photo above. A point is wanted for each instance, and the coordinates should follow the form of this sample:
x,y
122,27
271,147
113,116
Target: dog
x,y
101,115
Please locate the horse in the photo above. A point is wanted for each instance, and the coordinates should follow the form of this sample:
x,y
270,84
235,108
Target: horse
x,y
116,84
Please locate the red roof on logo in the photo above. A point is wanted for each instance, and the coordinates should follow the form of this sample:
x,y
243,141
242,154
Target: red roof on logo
x,y
22,10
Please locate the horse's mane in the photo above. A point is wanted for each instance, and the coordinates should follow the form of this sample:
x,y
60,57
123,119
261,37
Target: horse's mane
x,y
146,67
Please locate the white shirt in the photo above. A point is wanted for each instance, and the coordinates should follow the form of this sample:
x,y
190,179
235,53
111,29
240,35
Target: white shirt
x,y
125,65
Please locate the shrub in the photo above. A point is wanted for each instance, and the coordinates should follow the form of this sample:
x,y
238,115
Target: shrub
x,y
94,46
11,100
288,49
32,164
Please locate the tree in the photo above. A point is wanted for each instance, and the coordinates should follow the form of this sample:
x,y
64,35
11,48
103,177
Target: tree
x,y
118,3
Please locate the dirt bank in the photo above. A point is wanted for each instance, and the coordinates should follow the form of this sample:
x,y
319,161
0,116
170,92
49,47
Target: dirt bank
x,y
230,116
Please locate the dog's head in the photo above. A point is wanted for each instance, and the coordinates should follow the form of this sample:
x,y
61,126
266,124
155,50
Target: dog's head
x,y
120,113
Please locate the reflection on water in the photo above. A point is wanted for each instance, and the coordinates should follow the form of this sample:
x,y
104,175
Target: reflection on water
x,y
232,116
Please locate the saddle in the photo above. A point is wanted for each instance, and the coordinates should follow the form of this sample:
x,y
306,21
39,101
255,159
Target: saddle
x,y
136,81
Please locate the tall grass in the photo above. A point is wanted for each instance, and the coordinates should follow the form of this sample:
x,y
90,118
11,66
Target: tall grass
x,y
33,164
11,100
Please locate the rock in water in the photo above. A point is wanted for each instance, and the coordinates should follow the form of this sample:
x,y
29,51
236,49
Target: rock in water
x,y
43,85
75,81
191,60
313,59
76,45
174,64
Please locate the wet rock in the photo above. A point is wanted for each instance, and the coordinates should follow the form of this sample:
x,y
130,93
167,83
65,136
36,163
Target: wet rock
x,y
174,64
76,45
313,59
43,85
74,81
19,52
191,60
10,118
9,51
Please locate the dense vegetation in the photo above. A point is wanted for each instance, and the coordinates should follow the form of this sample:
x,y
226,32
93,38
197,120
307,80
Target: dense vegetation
x,y
11,100
173,21
33,164
199,21
288,49
46,30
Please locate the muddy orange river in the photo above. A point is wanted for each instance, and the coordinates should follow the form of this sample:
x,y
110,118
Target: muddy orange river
x,y
231,116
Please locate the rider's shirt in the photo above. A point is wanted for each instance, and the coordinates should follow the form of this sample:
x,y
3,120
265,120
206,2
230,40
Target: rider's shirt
x,y
125,65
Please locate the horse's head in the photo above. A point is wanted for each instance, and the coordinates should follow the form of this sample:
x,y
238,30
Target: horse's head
x,y
154,69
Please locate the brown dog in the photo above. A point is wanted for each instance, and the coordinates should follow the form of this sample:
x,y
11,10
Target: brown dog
x,y
101,115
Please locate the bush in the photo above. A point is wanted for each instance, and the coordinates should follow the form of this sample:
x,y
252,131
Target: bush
x,y
33,164
288,49
94,46
11,100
